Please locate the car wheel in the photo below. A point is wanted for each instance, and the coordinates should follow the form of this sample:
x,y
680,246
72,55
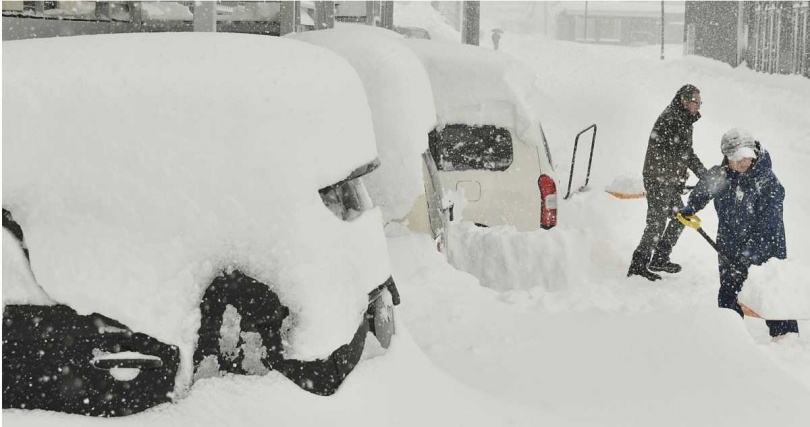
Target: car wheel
x,y
240,330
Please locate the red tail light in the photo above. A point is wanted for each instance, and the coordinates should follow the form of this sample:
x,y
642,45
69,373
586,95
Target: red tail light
x,y
548,205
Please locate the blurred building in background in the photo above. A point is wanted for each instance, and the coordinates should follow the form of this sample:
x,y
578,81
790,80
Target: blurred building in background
x,y
620,22
32,19
452,12
768,36
37,19
376,13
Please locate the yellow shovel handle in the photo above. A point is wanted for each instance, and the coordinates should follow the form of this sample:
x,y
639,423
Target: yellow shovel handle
x,y
689,221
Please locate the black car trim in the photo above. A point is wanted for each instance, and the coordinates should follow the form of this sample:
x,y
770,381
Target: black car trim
x,y
261,311
48,354
391,286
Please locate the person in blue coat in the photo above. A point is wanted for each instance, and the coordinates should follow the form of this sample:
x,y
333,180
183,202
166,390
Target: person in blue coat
x,y
749,200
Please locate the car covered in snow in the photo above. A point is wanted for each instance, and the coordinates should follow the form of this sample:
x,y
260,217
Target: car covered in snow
x,y
406,187
178,206
488,143
486,113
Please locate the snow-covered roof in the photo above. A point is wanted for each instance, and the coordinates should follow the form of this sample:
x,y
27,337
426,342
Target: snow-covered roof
x,y
141,165
478,86
401,100
165,11
424,15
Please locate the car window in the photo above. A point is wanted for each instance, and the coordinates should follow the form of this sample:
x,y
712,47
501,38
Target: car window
x,y
462,147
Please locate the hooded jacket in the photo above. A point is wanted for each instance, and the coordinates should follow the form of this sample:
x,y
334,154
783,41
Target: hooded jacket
x,y
669,151
749,208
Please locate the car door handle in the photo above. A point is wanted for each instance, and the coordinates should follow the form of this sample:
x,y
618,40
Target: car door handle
x,y
137,363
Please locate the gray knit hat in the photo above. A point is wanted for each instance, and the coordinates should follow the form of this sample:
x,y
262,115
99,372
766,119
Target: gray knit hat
x,y
737,144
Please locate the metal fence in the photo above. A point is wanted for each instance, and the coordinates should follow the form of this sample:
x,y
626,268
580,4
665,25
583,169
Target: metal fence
x,y
780,38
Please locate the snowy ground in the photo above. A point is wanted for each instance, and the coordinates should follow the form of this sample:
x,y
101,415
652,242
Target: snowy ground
x,y
585,345
587,340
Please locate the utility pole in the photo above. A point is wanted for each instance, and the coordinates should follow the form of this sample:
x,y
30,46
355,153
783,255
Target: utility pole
x,y
741,39
585,25
205,16
324,15
470,24
289,15
373,13
662,30
387,12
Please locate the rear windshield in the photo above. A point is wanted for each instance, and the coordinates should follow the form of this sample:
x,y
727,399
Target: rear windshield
x,y
463,147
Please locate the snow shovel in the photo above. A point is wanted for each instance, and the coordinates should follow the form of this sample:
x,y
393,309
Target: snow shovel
x,y
626,194
628,188
694,222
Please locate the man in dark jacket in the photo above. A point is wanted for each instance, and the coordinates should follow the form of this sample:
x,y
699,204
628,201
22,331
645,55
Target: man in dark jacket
x,y
669,154
750,202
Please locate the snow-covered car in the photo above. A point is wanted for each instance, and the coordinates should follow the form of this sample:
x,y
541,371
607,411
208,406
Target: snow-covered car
x,y
178,206
413,32
406,187
488,142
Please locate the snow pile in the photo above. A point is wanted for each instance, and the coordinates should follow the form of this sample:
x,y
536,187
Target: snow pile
x,y
627,186
401,101
254,11
597,366
778,289
77,9
423,15
403,388
165,11
505,259
19,285
156,168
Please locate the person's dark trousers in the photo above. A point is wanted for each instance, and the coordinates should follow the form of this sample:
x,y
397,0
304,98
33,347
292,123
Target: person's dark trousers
x,y
731,282
662,230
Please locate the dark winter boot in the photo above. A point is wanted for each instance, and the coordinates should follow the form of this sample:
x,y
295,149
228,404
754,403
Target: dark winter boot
x,y
665,265
638,267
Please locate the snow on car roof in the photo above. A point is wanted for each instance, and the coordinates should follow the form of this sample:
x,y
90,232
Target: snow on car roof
x,y
140,166
477,86
401,100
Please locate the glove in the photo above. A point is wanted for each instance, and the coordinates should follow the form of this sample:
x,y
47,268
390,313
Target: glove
x,y
687,212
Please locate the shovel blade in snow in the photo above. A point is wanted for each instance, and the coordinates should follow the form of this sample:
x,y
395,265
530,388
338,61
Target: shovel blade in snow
x,y
627,187
748,312
751,313
620,195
